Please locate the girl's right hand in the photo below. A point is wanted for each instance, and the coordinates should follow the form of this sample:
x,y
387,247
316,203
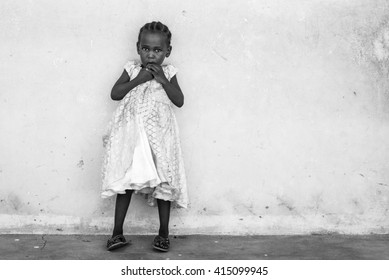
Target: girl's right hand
x,y
144,75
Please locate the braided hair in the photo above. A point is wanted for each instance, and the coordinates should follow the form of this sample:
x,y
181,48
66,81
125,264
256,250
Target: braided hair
x,y
156,26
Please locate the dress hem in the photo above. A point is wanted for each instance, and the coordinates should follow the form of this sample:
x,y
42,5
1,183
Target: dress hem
x,y
143,190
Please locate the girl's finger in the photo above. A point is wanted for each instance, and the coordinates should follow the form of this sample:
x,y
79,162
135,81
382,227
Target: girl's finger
x,y
156,68
152,67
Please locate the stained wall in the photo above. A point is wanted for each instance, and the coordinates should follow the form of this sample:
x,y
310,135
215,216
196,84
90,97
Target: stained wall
x,y
284,130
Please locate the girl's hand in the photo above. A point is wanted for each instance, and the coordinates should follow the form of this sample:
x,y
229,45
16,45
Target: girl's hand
x,y
157,72
144,75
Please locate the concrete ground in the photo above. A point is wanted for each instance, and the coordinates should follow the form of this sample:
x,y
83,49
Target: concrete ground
x,y
197,247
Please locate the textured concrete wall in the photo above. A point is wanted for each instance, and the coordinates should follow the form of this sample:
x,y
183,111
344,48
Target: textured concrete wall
x,y
285,127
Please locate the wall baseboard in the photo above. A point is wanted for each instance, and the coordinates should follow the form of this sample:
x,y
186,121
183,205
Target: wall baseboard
x,y
210,225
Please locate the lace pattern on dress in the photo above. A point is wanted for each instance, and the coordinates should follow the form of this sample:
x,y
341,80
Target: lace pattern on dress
x,y
149,104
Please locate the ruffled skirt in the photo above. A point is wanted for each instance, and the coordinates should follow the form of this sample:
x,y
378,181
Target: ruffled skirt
x,y
141,174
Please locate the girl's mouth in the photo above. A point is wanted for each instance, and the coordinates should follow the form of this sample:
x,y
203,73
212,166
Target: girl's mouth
x,y
148,63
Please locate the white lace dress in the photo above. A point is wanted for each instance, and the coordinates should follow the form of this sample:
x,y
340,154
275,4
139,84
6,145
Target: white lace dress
x,y
142,146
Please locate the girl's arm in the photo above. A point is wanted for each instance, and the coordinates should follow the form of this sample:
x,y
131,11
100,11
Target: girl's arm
x,y
172,88
174,92
123,85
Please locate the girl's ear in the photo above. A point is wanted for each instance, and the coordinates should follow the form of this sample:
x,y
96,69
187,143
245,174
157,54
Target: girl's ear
x,y
169,50
137,48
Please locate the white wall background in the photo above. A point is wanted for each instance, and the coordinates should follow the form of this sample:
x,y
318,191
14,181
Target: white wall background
x,y
285,128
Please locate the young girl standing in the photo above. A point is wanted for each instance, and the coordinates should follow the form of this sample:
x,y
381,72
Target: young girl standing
x,y
142,146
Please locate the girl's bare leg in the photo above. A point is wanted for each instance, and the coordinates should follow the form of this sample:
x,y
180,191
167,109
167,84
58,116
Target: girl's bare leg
x,y
164,215
122,203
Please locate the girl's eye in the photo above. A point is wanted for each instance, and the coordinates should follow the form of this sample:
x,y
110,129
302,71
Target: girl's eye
x,y
157,51
145,49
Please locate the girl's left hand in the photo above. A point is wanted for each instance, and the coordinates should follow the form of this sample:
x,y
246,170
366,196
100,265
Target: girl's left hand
x,y
157,71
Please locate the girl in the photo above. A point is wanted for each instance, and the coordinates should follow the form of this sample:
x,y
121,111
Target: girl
x,y
143,151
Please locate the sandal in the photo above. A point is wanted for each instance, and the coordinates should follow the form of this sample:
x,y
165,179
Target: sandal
x,y
161,243
116,242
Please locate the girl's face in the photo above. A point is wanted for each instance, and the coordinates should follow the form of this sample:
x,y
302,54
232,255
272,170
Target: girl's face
x,y
153,47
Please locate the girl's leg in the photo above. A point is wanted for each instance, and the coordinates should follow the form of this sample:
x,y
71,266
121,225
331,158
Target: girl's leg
x,y
164,215
122,203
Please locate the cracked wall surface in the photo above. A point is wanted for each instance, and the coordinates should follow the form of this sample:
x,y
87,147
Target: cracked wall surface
x,y
284,130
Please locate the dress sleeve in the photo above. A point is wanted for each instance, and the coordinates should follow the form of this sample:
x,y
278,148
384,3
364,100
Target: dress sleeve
x,y
129,67
171,71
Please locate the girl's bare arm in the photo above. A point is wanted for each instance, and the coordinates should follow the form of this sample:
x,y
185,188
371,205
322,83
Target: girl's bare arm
x,y
171,87
174,92
123,85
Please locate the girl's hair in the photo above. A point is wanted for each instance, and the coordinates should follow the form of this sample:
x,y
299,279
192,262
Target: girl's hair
x,y
156,26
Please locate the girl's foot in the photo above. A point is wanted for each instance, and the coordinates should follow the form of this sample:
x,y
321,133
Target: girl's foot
x,y
116,242
161,243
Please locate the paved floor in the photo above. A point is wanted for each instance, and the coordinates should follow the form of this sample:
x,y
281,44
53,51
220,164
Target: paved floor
x,y
198,247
